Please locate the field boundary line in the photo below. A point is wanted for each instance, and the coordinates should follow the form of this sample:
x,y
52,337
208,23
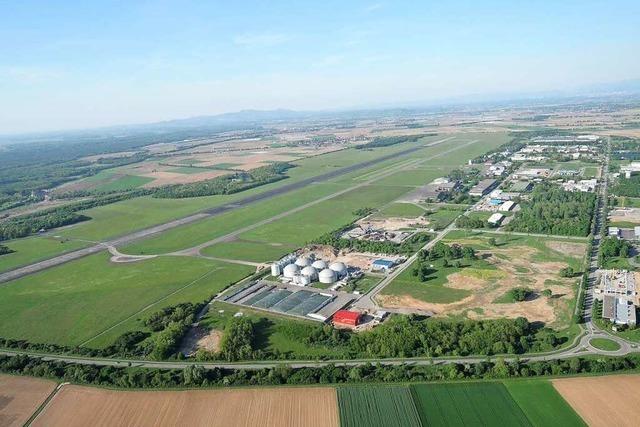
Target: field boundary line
x,y
44,404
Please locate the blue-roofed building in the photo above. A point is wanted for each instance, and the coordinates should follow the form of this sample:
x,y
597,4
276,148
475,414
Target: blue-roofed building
x,y
382,265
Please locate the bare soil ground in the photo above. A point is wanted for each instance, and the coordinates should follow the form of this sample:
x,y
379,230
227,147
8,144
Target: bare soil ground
x,y
515,267
362,260
20,397
611,400
199,338
393,224
572,249
625,215
85,406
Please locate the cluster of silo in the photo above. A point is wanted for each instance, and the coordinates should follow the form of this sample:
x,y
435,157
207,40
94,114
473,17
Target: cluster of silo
x,y
304,270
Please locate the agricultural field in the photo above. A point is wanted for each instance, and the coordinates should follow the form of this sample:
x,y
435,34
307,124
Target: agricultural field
x,y
603,401
76,302
377,406
20,397
83,406
477,288
487,404
542,404
37,248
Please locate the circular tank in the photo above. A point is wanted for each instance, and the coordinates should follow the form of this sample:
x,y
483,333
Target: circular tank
x,y
290,271
327,276
319,265
339,268
303,261
310,272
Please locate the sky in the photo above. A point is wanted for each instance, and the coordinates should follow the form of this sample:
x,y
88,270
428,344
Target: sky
x,y
68,64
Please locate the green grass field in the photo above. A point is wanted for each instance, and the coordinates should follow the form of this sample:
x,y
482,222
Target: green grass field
x,y
401,210
126,182
433,289
303,226
628,202
34,249
377,405
189,170
469,404
605,344
225,165
74,302
104,181
248,251
542,404
211,228
442,217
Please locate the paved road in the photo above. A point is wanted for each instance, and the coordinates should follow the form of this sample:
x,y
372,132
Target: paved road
x,y
158,229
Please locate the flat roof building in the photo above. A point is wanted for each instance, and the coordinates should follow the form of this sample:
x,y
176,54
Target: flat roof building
x,y
483,187
346,317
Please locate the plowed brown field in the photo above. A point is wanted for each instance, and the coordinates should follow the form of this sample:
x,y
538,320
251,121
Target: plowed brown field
x,y
20,397
612,400
85,406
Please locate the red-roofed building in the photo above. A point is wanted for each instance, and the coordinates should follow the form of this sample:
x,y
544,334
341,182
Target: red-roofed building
x,y
346,317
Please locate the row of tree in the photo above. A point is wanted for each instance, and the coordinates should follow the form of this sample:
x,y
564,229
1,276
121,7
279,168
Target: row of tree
x,y
226,184
385,141
198,376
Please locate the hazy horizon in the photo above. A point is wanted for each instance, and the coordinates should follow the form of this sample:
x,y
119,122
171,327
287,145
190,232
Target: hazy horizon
x,y
80,66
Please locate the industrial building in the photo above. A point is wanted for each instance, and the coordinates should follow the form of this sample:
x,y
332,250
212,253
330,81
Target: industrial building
x,y
496,219
507,206
289,299
304,270
617,289
346,318
483,187
630,170
382,265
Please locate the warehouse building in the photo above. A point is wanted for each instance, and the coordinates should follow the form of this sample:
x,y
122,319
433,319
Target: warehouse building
x,y
496,219
483,187
346,318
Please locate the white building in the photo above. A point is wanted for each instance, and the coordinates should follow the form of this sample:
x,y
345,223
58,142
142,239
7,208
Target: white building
x,y
495,219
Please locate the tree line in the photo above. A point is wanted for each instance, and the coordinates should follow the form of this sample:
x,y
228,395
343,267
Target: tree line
x,y
386,141
196,376
226,184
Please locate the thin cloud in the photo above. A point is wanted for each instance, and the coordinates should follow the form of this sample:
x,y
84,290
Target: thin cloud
x,y
374,6
261,39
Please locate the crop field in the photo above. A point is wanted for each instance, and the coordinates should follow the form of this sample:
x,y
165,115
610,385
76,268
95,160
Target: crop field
x,y
20,397
470,404
34,249
477,290
76,301
611,400
542,404
377,406
85,406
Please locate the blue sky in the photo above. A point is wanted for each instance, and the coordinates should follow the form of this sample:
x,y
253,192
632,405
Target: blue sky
x,y
68,64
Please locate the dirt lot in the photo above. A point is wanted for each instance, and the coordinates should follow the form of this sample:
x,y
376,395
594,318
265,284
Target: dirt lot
x,y
85,406
20,397
393,224
199,338
515,267
575,250
611,400
361,260
625,215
